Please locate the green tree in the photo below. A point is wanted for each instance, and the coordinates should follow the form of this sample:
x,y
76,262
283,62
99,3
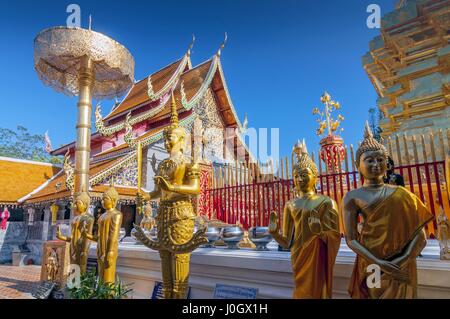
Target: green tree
x,y
24,145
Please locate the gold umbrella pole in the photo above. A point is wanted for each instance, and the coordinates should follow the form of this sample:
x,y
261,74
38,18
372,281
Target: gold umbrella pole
x,y
139,178
83,143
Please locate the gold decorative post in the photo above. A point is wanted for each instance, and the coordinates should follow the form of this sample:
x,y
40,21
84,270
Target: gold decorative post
x,y
83,147
331,145
139,177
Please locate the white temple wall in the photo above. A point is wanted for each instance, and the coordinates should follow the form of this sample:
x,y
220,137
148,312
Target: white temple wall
x,y
270,271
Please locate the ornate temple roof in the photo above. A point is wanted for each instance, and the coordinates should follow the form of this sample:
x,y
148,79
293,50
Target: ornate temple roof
x,y
189,85
19,177
57,187
160,82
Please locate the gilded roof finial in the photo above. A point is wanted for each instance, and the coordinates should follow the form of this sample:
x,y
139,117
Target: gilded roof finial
x,y
222,45
367,131
188,52
174,112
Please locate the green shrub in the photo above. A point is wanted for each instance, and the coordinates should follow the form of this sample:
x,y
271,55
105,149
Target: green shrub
x,y
92,287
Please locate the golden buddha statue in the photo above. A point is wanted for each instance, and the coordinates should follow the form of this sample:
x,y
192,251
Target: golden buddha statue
x,y
107,238
52,265
443,235
176,181
79,245
392,233
310,230
147,222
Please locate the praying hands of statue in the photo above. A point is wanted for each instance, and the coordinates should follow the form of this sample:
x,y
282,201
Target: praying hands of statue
x,y
273,223
85,233
59,235
164,184
141,197
314,222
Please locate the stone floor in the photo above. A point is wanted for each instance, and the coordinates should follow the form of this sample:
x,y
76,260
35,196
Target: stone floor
x,y
17,282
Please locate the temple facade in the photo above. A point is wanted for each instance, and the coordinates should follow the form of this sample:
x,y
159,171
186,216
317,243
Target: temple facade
x,y
205,110
409,64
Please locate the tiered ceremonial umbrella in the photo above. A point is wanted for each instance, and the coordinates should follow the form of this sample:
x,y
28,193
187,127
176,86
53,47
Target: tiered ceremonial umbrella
x,y
87,64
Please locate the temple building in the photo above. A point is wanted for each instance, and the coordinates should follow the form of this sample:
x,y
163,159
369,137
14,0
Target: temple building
x,y
206,111
19,178
409,64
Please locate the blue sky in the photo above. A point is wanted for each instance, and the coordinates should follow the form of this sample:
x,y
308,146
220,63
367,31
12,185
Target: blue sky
x,y
280,57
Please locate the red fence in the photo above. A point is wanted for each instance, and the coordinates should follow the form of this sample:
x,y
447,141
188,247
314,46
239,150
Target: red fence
x,y
251,203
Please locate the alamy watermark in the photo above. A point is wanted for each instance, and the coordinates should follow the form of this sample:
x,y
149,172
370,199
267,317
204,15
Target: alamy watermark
x,y
74,18
373,279
374,19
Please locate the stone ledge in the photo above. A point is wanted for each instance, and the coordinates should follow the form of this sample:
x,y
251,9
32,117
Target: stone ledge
x,y
269,271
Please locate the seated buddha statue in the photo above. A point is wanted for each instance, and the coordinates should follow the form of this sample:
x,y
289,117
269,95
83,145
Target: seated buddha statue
x,y
79,245
147,222
392,233
311,231
177,180
107,238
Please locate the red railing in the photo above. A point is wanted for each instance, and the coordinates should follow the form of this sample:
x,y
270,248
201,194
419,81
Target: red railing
x,y
251,203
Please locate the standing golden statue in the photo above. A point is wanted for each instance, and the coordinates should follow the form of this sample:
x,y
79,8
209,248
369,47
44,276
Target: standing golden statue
x,y
443,234
107,238
310,230
52,265
176,181
79,245
392,233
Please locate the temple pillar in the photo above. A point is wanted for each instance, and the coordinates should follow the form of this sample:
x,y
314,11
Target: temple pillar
x,y
30,215
62,211
46,223
72,215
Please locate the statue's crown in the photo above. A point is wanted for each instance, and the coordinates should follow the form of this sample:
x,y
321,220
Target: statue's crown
x,y
84,197
369,144
111,192
174,123
303,158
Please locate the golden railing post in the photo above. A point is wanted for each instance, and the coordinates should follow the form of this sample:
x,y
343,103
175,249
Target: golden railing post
x,y
397,146
390,150
433,151
441,144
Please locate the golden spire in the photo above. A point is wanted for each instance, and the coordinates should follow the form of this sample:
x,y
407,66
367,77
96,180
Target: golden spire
x,y
173,112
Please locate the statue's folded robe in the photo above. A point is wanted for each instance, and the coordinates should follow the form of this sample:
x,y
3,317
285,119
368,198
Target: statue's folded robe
x,y
391,224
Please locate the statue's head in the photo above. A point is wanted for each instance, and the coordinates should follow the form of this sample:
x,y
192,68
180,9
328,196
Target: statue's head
x,y
110,198
371,156
174,134
148,210
305,170
82,202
